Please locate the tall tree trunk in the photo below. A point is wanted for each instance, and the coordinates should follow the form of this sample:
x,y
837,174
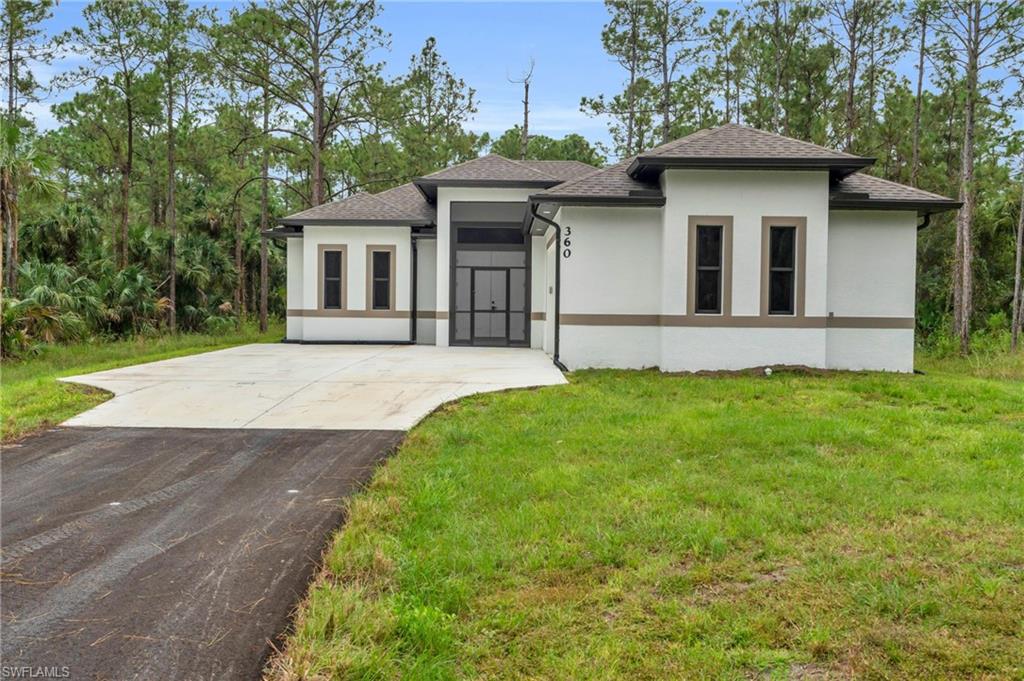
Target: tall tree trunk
x,y
666,83
1018,299
239,265
172,213
126,173
631,98
9,188
264,217
963,275
916,159
851,83
317,179
524,143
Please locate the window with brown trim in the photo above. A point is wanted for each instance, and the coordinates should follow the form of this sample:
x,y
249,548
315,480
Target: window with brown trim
x,y
783,266
380,278
333,268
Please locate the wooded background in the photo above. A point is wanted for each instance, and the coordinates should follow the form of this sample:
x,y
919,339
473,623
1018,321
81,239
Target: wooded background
x,y
192,129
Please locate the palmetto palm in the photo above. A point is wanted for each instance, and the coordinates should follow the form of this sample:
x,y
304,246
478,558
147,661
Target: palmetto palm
x,y
23,171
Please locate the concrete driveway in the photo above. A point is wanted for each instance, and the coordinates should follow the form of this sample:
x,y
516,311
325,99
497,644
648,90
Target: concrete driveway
x,y
336,387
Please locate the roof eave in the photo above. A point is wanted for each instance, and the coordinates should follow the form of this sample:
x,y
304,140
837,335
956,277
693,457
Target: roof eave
x,y
349,222
577,200
646,167
920,207
428,187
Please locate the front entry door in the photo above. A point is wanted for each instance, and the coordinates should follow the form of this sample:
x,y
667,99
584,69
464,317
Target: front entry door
x,y
490,305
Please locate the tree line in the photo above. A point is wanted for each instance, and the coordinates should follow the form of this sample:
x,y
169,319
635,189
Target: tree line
x,y
190,129
826,72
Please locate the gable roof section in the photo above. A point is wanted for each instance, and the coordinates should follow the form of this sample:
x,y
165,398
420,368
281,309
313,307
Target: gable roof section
x,y
861,191
491,170
402,205
737,146
608,186
561,170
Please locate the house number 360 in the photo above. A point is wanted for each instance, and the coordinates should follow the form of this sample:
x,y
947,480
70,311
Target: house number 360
x,y
567,242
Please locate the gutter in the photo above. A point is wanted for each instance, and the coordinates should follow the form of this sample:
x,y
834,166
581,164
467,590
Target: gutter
x,y
558,278
412,306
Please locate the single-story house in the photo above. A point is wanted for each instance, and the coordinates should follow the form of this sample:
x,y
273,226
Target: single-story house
x,y
726,249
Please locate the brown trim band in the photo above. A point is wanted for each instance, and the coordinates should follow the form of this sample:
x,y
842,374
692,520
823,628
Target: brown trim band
x,y
742,322
538,316
352,314
870,323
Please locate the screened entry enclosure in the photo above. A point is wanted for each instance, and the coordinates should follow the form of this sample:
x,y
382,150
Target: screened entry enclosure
x,y
490,273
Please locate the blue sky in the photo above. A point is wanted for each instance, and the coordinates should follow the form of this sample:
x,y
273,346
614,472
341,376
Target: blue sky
x,y
485,43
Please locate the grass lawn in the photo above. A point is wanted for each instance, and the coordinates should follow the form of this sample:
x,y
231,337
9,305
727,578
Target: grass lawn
x,y
31,397
638,525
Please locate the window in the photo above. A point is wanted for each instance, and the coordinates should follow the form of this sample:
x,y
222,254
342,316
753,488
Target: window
x,y
709,270
380,278
782,270
709,265
332,277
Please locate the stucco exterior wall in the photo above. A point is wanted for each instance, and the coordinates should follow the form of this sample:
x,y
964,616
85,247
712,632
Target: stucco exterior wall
x,y
858,272
294,292
872,257
354,322
426,291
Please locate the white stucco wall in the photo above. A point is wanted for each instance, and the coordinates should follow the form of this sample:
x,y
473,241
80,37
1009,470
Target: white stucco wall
x,y
347,326
748,196
860,266
426,290
538,287
293,292
613,268
872,259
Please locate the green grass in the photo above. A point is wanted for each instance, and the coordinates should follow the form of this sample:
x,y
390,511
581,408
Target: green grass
x,y
638,525
31,397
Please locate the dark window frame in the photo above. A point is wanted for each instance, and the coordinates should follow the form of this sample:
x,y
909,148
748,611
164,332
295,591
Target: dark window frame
x,y
719,269
725,222
799,279
789,310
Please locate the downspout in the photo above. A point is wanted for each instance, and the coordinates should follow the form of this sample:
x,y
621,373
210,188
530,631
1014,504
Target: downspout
x,y
412,315
558,278
927,221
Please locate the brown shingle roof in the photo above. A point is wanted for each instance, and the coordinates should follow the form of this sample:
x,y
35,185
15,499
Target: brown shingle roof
x,y
491,167
609,183
561,170
739,141
883,190
401,205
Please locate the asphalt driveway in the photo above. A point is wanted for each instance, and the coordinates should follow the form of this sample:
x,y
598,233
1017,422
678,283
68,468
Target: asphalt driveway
x,y
139,553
